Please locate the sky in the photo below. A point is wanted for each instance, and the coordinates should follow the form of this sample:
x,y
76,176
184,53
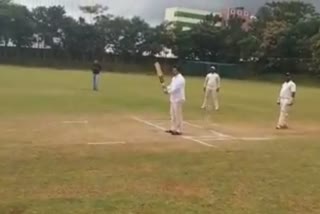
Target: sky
x,y
151,10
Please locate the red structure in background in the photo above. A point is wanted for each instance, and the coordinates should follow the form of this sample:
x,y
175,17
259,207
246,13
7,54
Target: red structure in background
x,y
239,12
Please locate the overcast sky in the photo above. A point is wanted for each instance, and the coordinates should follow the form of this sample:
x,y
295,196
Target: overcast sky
x,y
151,10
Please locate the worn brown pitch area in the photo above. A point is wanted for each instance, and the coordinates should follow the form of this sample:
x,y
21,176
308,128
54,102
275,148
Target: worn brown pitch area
x,y
125,131
86,130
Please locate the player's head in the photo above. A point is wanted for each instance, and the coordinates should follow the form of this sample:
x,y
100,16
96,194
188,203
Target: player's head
x,y
175,70
96,61
213,69
288,77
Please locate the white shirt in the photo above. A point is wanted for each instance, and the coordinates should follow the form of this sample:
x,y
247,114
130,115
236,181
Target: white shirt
x,y
177,89
212,81
287,89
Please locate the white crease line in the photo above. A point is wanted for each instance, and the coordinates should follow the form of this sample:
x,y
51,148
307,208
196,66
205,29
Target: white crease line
x,y
148,123
254,138
212,138
107,143
229,137
212,131
163,129
193,125
198,141
221,134
76,122
9,130
235,138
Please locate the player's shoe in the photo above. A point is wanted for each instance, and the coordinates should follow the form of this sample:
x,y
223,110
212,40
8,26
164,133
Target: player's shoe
x,y
282,127
176,133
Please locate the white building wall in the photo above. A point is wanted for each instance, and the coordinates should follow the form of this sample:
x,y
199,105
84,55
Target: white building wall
x,y
170,15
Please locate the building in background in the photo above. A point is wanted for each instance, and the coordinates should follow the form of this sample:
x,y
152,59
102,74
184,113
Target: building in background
x,y
187,17
239,12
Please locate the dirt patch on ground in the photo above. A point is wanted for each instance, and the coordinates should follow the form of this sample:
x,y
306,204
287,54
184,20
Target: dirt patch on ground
x,y
261,130
96,130
144,131
184,190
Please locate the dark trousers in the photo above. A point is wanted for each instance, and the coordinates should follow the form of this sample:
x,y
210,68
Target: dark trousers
x,y
95,82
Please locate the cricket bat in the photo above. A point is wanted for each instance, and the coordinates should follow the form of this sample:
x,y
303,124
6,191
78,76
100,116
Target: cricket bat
x,y
159,72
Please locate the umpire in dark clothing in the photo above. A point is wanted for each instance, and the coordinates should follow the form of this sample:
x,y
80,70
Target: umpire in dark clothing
x,y
96,70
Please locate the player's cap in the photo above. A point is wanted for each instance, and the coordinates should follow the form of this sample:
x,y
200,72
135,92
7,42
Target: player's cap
x,y
288,74
212,69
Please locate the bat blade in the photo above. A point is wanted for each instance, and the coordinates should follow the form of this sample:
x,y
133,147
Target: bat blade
x,y
159,72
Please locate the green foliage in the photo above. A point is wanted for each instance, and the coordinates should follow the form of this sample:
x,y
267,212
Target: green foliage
x,y
282,30
19,25
316,54
49,22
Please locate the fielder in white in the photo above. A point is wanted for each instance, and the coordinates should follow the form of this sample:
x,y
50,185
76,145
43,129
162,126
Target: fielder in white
x,y
176,90
286,100
211,88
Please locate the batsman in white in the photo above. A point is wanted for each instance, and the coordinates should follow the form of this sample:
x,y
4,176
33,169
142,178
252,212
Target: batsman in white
x,y
211,88
286,100
176,90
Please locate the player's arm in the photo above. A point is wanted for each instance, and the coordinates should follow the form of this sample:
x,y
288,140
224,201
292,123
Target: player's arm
x,y
218,83
205,83
293,93
279,98
174,86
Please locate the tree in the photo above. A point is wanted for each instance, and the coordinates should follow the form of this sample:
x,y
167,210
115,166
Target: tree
x,y
81,40
95,12
20,26
273,38
315,48
203,41
289,11
159,38
127,37
135,37
285,30
49,23
4,21
234,36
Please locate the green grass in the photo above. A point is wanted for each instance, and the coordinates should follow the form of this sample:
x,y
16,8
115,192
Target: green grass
x,y
274,177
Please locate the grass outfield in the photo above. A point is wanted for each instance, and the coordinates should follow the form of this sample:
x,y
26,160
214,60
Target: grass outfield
x,y
49,117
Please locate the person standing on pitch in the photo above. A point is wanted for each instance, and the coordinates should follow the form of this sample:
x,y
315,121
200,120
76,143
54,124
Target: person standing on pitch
x,y
176,90
211,88
286,100
96,70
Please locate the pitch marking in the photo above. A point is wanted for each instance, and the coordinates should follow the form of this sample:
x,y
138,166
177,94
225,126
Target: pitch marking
x,y
163,129
75,122
106,143
212,131
148,123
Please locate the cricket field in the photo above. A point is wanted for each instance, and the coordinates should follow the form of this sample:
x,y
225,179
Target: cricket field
x,y
66,149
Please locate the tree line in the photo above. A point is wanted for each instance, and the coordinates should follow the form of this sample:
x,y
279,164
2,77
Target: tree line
x,y
283,31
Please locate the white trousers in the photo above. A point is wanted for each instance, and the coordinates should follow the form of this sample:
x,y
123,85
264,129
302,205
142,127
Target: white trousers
x,y
211,99
284,112
176,116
